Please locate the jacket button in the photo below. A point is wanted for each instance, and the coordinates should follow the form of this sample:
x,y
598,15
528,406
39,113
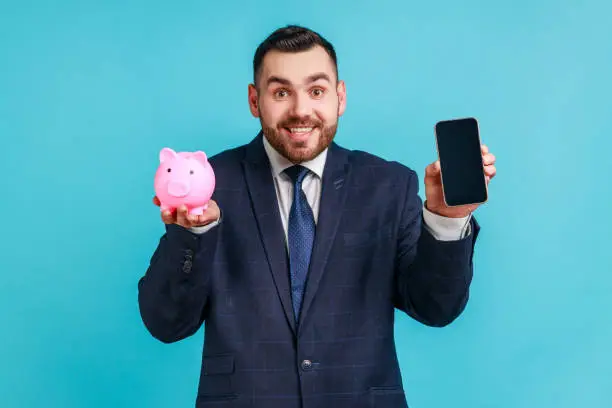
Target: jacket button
x,y
187,266
306,365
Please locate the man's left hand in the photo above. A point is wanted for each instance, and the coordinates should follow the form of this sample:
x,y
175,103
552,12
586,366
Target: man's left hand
x,y
433,188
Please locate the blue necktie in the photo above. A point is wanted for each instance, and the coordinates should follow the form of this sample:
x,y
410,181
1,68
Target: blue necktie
x,y
301,236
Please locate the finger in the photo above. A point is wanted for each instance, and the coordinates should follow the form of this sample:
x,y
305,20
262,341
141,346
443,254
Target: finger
x,y
192,219
168,217
156,201
432,175
433,169
488,158
181,216
490,171
196,220
200,220
207,216
203,219
484,149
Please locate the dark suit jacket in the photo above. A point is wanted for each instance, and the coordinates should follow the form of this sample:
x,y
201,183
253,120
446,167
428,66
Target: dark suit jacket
x,y
371,255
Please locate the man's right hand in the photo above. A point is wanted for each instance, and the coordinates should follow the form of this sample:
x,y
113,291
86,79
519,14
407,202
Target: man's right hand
x,y
181,217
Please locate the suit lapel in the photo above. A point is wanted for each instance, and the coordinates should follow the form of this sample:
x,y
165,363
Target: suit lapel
x,y
258,176
333,195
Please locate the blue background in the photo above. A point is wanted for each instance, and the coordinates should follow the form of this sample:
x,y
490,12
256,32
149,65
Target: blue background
x,y
90,92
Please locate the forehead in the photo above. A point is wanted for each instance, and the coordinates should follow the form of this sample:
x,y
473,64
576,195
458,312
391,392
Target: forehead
x,y
297,66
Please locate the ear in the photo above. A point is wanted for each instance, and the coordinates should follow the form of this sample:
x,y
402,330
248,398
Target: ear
x,y
166,154
201,157
253,100
341,89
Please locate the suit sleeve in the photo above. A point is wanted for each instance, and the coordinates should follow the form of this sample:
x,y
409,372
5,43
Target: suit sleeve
x,y
433,277
173,294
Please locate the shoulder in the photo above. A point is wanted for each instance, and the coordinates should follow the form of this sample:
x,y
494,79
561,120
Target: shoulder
x,y
369,165
372,173
228,157
228,162
227,166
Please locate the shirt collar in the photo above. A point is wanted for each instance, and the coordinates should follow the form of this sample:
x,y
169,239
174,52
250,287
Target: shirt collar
x,y
280,163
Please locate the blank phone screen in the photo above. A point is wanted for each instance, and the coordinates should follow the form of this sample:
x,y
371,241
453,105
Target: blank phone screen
x,y
461,161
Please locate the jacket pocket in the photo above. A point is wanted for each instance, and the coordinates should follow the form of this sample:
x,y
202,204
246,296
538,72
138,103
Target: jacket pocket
x,y
216,379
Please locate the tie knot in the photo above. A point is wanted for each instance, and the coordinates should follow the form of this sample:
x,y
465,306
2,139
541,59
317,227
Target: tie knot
x,y
297,173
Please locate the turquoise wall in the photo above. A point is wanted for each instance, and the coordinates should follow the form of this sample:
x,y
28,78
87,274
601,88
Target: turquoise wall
x,y
91,91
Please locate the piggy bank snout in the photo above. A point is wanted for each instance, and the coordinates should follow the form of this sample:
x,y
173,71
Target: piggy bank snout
x,y
177,188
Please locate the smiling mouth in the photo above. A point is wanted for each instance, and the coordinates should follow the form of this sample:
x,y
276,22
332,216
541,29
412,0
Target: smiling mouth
x,y
299,133
300,130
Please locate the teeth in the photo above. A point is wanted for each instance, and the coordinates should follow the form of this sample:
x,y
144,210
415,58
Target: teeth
x,y
301,130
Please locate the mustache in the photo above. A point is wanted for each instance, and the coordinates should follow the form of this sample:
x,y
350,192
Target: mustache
x,y
295,122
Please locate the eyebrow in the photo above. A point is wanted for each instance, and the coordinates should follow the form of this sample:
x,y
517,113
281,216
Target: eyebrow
x,y
309,79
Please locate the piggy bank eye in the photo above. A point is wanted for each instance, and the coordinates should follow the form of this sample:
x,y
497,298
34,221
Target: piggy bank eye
x,y
169,170
190,171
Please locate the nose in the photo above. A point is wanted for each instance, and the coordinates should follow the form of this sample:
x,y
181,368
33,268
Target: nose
x,y
301,106
178,188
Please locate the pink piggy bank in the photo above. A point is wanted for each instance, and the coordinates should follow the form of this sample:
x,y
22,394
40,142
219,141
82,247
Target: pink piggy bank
x,y
184,178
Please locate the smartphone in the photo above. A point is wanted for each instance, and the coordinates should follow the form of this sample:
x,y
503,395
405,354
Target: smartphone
x,y
462,168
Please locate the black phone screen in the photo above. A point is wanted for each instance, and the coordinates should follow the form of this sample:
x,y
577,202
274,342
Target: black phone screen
x,y
463,178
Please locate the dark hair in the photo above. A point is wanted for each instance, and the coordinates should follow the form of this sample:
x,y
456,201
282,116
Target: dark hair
x,y
291,38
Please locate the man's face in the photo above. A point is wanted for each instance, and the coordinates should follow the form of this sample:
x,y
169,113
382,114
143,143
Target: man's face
x,y
298,100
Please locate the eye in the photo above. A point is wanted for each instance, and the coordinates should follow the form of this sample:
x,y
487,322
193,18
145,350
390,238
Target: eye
x,y
281,93
317,92
169,170
190,171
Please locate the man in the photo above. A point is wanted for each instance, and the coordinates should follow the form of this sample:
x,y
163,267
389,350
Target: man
x,y
296,270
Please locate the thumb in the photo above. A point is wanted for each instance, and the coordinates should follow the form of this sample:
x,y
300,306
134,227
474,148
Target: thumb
x,y
156,201
433,169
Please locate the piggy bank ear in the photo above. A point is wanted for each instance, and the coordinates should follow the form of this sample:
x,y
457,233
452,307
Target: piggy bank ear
x,y
201,157
166,154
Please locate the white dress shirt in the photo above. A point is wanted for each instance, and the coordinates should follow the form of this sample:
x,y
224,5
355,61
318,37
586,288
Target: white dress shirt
x,y
442,228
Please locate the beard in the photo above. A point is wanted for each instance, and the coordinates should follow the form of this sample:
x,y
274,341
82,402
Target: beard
x,y
294,151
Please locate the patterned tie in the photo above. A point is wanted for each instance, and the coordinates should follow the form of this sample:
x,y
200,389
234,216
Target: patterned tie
x,y
301,236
